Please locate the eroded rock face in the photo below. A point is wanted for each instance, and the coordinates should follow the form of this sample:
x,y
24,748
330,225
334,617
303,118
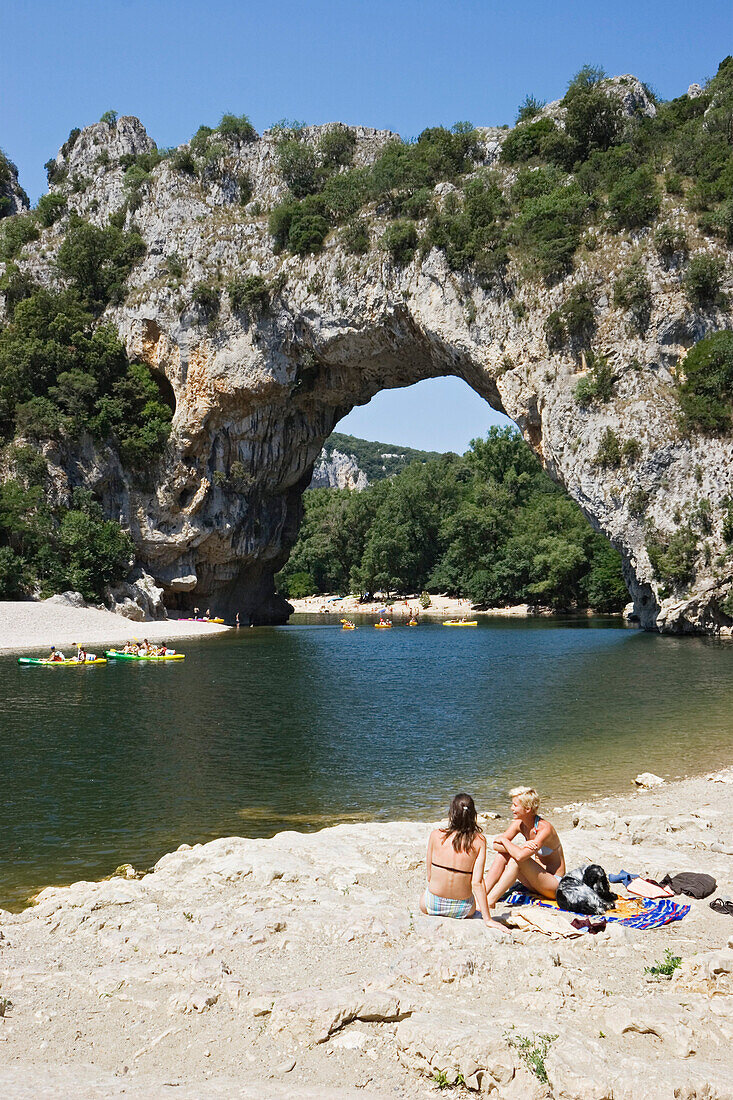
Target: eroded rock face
x,y
257,395
337,471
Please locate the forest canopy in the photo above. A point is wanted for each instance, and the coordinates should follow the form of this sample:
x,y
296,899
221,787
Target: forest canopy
x,y
489,525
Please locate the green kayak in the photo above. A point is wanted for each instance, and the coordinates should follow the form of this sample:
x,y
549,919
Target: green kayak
x,y
70,662
114,655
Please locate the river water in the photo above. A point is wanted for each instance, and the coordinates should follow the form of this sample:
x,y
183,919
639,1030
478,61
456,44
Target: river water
x,y
305,725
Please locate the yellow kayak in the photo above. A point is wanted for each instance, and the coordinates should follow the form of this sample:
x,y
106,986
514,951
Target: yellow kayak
x,y
69,661
383,626
460,622
412,622
116,655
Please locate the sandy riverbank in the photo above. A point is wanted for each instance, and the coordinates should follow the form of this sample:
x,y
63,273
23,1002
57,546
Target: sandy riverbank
x,y
441,607
301,967
28,626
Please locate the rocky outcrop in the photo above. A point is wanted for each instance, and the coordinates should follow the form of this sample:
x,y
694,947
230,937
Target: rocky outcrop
x,y
337,471
258,391
13,199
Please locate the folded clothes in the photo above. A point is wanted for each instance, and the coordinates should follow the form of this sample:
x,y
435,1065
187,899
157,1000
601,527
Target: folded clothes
x,y
593,924
691,883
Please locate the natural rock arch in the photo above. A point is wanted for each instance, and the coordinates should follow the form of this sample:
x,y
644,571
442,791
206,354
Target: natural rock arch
x,y
257,391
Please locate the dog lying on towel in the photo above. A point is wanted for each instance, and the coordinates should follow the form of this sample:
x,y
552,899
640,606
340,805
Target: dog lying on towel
x,y
586,890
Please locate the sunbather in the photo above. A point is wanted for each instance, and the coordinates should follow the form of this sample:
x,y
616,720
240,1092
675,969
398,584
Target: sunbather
x,y
455,865
529,852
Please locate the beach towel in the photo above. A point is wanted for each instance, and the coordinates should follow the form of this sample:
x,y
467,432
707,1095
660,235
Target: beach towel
x,y
632,912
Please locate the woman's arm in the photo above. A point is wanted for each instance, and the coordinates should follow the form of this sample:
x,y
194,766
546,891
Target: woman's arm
x,y
429,856
515,851
477,882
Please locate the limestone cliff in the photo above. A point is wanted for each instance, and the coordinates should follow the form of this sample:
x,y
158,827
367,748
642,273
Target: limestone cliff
x,y
337,471
258,390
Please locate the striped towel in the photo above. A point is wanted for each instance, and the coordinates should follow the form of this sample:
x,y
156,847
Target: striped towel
x,y
632,912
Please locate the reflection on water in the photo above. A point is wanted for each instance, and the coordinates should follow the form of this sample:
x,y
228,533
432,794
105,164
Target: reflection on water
x,y
300,726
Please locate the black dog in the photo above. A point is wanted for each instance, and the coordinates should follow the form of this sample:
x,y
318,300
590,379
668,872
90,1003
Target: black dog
x,y
586,890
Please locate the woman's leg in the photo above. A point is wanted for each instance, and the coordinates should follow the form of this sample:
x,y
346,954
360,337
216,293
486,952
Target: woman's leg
x,y
496,870
534,875
506,880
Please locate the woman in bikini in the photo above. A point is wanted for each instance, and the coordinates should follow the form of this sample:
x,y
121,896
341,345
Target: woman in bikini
x,y
455,865
529,852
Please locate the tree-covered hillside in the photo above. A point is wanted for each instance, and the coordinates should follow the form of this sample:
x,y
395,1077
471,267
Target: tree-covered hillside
x,y
377,460
489,525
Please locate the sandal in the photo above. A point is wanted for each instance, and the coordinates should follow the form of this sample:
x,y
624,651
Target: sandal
x,y
722,905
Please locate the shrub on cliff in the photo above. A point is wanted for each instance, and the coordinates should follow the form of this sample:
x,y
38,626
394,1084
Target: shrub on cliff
x,y
706,395
632,291
672,557
98,261
471,232
250,294
60,374
299,226
336,146
16,232
702,280
529,140
237,126
547,230
598,383
400,240
593,119
634,201
50,208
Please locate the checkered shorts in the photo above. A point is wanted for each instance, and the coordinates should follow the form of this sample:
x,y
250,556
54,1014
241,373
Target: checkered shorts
x,y
460,908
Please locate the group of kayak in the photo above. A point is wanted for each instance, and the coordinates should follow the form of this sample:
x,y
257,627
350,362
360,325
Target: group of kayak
x,y
132,651
386,624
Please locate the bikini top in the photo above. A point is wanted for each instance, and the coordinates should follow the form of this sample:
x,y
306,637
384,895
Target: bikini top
x,y
443,867
546,850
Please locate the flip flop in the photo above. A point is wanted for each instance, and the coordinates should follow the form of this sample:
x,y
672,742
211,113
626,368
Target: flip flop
x,y
722,905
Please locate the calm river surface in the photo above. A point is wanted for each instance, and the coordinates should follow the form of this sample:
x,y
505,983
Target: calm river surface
x,y
305,725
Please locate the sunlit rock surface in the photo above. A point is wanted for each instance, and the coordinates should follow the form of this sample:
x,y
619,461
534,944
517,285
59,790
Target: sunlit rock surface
x,y
257,394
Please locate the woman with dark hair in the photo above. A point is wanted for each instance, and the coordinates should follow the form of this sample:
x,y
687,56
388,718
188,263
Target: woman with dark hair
x,y
455,864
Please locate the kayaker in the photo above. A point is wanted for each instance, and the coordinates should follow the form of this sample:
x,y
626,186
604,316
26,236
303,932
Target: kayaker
x,y
56,654
81,654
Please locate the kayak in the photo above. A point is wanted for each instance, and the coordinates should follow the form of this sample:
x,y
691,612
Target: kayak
x,y
115,656
200,620
412,622
460,622
69,661
383,626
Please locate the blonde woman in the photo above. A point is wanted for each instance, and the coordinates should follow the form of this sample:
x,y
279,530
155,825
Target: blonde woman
x,y
529,853
455,865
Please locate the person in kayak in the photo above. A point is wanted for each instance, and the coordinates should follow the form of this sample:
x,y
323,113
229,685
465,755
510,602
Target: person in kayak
x,y
56,654
455,862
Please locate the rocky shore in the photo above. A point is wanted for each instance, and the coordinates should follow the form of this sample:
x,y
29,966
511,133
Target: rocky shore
x,y
300,966
29,625
441,607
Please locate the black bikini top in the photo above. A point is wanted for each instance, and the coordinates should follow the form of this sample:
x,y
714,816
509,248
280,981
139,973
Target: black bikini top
x,y
443,867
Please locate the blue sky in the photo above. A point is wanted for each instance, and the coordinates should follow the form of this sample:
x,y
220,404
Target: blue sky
x,y
394,64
